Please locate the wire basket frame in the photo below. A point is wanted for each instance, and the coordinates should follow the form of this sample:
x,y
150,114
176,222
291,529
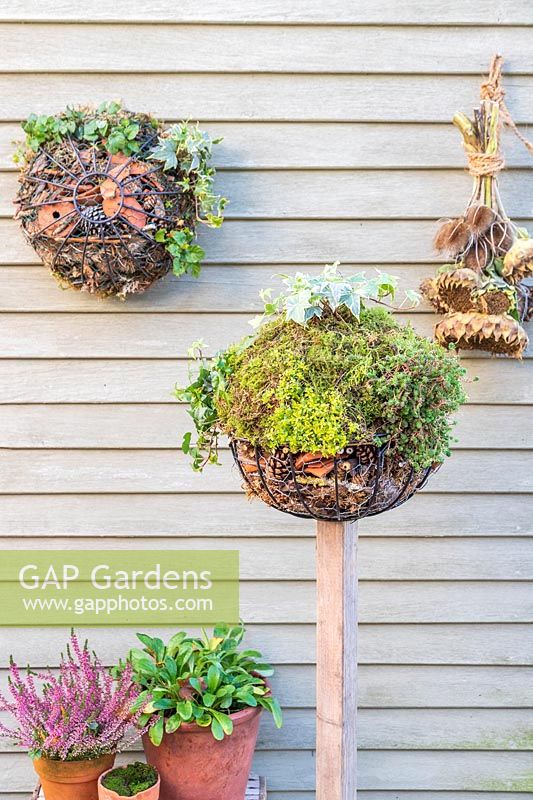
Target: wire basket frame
x,y
92,216
361,481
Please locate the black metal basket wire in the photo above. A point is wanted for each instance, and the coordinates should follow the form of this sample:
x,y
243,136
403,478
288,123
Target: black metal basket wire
x,y
361,481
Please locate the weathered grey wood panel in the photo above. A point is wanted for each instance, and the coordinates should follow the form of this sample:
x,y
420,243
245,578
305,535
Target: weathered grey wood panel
x,y
357,145
414,770
381,12
285,242
402,729
346,194
431,514
117,426
496,644
281,603
337,145
270,49
297,97
380,559
160,471
409,687
218,288
152,380
157,335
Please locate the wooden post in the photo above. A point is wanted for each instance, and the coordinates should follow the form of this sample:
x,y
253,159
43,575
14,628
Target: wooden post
x,y
336,747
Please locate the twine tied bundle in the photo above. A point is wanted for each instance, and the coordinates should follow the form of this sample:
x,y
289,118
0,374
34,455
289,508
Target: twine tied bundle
x,y
482,293
485,158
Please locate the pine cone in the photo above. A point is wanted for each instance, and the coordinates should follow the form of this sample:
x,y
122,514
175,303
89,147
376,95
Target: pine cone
x,y
518,262
475,331
365,453
279,463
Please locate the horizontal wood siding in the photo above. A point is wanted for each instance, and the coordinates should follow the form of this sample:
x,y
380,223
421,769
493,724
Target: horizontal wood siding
x,y
337,145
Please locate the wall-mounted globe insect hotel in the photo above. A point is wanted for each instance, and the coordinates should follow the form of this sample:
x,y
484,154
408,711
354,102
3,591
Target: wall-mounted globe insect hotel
x,y
484,293
333,410
110,199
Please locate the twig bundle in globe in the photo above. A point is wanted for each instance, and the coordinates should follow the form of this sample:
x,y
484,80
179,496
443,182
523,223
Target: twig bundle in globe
x,y
483,293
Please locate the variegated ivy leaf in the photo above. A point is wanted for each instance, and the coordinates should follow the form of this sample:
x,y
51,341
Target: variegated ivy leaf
x,y
353,303
412,297
306,296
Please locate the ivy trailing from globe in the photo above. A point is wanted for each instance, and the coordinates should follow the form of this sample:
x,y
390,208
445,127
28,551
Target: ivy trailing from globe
x,y
328,379
111,199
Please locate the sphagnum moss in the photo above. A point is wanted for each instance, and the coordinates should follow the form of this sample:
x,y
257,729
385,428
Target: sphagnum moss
x,y
322,372
338,380
130,780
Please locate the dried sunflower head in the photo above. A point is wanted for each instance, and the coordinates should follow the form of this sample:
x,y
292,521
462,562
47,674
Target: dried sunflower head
x,y
518,261
476,331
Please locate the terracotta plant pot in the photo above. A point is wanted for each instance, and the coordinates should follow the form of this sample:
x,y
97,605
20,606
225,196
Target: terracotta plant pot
x,y
72,780
195,766
108,794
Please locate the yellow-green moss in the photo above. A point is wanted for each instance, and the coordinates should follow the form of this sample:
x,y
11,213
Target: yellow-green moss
x,y
340,379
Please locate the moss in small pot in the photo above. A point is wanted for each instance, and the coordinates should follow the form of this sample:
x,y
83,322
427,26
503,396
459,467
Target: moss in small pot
x,y
131,780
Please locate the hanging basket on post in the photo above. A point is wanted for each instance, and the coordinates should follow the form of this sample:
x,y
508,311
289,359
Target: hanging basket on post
x,y
361,481
110,199
333,410
484,293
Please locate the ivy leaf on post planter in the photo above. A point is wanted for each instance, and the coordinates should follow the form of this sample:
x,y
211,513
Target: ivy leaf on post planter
x,y
353,302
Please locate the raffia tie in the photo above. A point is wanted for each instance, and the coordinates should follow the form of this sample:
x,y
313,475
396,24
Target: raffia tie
x,y
484,164
492,90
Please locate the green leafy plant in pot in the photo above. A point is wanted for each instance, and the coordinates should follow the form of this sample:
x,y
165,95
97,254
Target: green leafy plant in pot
x,y
202,698
333,409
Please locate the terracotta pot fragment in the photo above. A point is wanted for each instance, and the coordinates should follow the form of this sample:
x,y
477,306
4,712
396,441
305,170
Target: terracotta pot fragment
x,y
108,794
195,766
306,458
320,470
72,780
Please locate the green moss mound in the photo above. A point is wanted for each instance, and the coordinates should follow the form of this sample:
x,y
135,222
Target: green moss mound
x,y
340,380
129,781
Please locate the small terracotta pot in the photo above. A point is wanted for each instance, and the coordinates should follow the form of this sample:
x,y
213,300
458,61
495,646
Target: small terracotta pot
x,y
108,794
195,766
72,780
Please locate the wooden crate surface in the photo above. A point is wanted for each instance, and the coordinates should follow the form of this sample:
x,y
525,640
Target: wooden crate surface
x,y
256,790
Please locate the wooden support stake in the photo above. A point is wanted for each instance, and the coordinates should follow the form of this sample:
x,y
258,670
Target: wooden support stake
x,y
336,747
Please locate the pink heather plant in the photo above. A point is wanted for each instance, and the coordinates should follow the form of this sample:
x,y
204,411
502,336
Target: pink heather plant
x,y
81,714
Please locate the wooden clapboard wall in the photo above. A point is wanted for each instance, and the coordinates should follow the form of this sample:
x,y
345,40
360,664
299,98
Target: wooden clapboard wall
x,y
337,145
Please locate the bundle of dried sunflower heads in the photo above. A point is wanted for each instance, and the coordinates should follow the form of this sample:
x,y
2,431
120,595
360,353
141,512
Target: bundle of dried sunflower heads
x,y
482,292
